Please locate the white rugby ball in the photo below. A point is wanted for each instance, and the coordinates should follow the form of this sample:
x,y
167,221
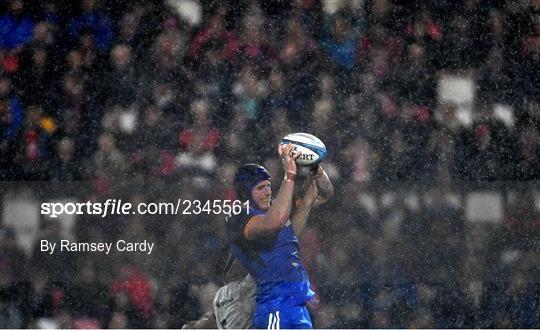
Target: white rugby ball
x,y
312,148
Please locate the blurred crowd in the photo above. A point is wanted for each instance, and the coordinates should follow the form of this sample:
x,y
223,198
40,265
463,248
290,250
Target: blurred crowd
x,y
399,265
92,90
107,91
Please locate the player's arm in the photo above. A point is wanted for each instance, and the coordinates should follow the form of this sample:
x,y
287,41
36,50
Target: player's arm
x,y
324,185
279,212
207,321
299,219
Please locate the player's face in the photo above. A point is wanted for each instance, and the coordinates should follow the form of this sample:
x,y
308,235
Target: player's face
x,y
262,194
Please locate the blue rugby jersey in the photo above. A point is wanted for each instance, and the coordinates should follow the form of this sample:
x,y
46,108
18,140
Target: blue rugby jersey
x,y
274,262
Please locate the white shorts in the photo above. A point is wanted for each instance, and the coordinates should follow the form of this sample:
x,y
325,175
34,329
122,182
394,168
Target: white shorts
x,y
234,304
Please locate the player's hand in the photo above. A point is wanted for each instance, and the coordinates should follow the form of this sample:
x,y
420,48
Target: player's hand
x,y
288,158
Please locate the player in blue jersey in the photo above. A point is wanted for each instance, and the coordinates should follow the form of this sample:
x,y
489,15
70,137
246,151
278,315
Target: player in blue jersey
x,y
263,239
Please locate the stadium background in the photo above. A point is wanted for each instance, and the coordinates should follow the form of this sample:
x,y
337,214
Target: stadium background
x,y
430,111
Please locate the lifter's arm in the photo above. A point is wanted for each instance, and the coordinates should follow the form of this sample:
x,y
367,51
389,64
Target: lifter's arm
x,y
324,185
319,190
299,219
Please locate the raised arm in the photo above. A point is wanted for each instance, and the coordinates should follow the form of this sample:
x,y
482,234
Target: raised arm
x,y
280,210
319,190
299,219
324,185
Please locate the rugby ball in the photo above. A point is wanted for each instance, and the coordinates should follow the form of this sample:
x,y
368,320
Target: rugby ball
x,y
312,148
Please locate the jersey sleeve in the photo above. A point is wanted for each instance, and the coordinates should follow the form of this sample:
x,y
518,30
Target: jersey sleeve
x,y
235,226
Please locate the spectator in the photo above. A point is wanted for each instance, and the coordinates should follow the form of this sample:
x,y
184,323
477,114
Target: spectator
x,y
35,154
154,132
296,50
136,286
197,162
12,260
426,31
108,161
12,109
10,315
253,45
93,21
494,80
121,88
15,28
11,122
65,166
43,36
250,92
529,154
38,83
129,30
416,82
224,42
168,52
341,44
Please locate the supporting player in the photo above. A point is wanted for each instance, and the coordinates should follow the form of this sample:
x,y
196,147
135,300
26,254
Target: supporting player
x,y
233,303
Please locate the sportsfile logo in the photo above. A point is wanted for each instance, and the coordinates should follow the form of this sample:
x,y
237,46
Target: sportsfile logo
x,y
118,207
109,207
